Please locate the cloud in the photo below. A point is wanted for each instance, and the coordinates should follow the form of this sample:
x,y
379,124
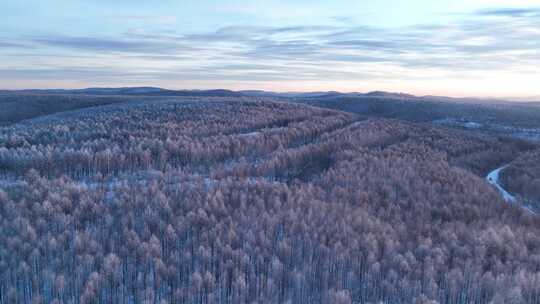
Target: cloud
x,y
58,73
477,43
5,45
509,12
413,46
108,44
167,20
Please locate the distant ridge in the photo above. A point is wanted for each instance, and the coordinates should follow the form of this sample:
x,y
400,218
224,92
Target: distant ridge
x,y
155,91
387,94
133,91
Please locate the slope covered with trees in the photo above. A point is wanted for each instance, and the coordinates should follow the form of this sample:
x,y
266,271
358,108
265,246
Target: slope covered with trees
x,y
500,118
522,176
427,109
229,200
19,106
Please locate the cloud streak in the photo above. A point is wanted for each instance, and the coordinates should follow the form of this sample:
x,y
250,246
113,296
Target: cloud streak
x,y
107,44
6,45
510,12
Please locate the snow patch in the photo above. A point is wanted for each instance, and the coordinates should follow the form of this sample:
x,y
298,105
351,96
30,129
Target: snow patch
x,y
250,134
472,125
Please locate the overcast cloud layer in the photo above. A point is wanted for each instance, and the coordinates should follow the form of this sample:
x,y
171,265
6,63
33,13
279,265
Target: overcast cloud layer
x,y
483,52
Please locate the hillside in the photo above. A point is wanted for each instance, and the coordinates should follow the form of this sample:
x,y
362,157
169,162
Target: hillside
x,y
230,200
20,106
25,104
522,177
499,117
496,117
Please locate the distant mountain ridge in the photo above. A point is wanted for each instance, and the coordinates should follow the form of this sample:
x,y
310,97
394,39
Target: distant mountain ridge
x,y
214,92
155,91
131,91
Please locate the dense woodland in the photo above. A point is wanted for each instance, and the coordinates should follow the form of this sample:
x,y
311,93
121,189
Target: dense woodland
x,y
230,200
522,177
495,114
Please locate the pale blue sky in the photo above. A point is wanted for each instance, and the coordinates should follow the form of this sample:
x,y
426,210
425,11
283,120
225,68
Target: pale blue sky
x,y
458,48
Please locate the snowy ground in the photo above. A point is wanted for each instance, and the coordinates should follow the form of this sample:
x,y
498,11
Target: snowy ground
x,y
256,133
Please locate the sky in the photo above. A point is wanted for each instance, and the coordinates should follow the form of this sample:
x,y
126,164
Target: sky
x,y
475,48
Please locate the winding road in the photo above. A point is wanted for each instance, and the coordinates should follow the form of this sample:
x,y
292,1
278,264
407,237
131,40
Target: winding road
x,y
493,178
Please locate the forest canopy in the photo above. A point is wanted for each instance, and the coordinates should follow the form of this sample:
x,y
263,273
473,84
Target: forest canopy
x,y
239,200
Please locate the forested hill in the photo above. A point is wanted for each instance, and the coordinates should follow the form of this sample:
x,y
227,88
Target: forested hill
x,y
497,116
26,104
492,114
229,200
16,107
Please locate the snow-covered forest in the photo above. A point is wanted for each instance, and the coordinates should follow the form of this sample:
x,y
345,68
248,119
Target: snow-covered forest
x,y
522,176
234,200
